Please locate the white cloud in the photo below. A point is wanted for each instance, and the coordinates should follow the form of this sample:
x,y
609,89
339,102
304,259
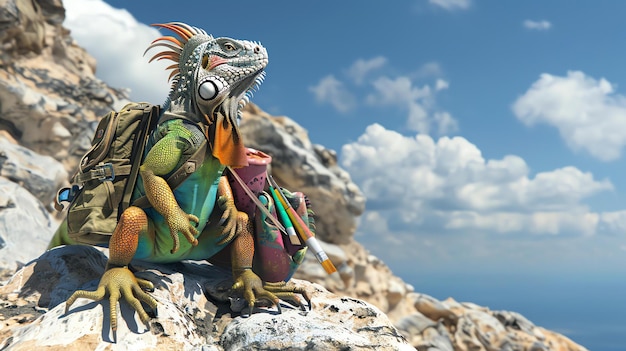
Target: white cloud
x,y
588,113
117,41
332,91
451,4
440,205
398,92
361,68
421,184
427,70
419,102
613,222
537,25
441,84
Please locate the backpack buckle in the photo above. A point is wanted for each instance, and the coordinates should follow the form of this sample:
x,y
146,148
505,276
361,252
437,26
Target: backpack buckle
x,y
65,195
100,171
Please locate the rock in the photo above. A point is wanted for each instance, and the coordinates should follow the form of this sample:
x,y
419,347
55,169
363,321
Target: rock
x,y
33,312
434,309
333,324
425,334
298,164
40,175
515,320
53,11
450,325
48,91
25,225
396,290
21,27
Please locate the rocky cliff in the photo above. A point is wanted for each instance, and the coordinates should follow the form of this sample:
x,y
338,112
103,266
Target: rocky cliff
x,y
50,101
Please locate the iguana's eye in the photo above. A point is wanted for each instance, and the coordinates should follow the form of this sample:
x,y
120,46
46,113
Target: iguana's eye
x,y
205,61
228,46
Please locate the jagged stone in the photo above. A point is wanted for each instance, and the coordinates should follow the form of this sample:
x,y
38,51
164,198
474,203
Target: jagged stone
x,y
297,164
25,225
425,334
47,98
53,11
21,27
33,312
40,175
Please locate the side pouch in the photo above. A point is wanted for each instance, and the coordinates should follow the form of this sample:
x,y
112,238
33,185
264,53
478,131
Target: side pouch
x,y
275,258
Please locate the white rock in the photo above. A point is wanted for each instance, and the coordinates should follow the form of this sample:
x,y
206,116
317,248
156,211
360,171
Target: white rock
x,y
186,319
25,225
40,175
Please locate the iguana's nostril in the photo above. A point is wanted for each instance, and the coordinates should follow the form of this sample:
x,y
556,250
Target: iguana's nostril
x,y
257,49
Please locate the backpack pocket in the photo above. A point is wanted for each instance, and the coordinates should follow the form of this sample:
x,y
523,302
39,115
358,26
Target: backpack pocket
x,y
93,214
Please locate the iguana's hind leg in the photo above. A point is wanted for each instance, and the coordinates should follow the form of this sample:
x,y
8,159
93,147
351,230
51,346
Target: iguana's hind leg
x,y
118,280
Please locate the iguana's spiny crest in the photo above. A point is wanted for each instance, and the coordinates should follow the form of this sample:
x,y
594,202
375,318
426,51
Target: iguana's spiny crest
x,y
212,79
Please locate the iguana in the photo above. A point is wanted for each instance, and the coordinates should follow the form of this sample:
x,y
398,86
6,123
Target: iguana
x,y
211,80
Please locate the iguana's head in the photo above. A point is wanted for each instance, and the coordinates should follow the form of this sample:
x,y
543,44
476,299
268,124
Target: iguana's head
x,y
212,79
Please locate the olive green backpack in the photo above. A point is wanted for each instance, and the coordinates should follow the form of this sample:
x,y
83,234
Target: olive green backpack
x,y
105,180
107,173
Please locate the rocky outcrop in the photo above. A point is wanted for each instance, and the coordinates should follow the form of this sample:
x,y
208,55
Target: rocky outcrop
x,y
299,164
50,102
49,96
33,312
450,325
28,182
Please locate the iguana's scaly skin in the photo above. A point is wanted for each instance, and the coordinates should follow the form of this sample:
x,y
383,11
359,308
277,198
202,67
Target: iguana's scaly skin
x,y
211,80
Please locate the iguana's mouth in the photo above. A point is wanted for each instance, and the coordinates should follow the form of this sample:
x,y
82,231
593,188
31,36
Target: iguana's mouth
x,y
248,82
215,61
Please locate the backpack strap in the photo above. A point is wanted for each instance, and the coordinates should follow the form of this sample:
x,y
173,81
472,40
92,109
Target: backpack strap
x,y
179,176
148,123
194,161
190,166
102,172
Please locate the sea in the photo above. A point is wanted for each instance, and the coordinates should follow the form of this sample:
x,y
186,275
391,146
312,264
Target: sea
x,y
589,309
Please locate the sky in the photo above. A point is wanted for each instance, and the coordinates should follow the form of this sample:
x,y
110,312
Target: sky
x,y
486,135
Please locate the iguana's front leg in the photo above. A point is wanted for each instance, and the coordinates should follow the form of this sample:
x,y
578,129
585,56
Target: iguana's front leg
x,y
117,279
161,160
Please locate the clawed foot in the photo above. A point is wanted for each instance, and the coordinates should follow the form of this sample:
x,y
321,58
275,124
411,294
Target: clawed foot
x,y
254,290
119,282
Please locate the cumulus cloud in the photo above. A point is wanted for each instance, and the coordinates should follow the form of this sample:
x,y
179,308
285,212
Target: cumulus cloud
x,y
427,70
419,102
439,204
446,185
441,84
537,25
588,113
332,91
451,4
117,41
361,68
398,92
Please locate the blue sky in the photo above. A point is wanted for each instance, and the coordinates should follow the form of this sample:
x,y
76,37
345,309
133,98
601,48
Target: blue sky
x,y
486,135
